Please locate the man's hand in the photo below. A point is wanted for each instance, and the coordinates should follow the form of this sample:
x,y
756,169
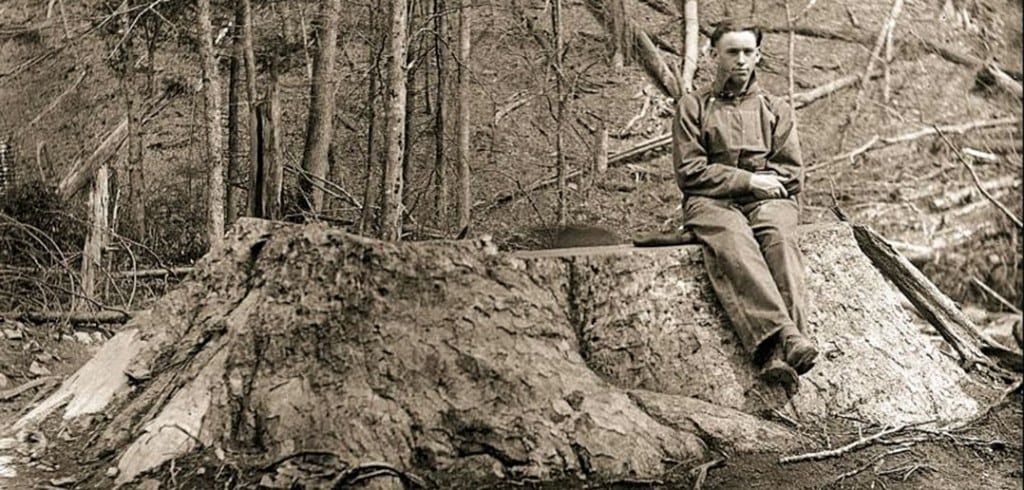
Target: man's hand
x,y
767,186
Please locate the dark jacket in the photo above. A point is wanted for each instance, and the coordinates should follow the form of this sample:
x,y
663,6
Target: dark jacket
x,y
720,139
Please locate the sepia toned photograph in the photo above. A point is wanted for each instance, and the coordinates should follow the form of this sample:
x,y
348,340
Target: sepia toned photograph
x,y
511,244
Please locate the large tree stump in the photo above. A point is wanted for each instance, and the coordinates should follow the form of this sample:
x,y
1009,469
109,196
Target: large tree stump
x,y
453,361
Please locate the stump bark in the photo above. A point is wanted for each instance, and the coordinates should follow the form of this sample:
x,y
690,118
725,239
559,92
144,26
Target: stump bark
x,y
457,363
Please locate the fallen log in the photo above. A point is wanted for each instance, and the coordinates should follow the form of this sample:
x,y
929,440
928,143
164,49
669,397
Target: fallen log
x,y
466,366
150,273
73,317
8,395
938,309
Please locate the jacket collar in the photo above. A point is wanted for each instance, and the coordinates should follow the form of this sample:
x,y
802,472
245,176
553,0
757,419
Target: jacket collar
x,y
719,91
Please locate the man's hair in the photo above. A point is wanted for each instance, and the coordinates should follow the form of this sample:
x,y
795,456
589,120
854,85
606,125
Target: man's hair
x,y
735,25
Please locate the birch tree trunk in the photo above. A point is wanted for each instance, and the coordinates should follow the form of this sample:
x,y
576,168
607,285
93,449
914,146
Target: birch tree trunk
x,y
691,39
391,204
214,140
319,124
465,196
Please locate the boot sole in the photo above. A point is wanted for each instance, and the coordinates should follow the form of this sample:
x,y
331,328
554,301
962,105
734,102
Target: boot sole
x,y
777,372
802,360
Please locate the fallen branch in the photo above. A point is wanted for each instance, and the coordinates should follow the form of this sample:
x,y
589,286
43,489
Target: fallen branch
x,y
831,453
654,64
8,395
991,73
998,297
876,142
149,273
700,473
73,317
873,461
977,181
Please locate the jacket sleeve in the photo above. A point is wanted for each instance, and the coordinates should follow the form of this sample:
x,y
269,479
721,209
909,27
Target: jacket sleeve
x,y
785,158
694,175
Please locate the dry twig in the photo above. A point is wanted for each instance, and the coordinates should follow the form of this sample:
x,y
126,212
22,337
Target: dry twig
x,y
831,453
977,180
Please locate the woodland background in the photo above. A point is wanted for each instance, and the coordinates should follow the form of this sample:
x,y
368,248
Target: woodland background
x,y
498,120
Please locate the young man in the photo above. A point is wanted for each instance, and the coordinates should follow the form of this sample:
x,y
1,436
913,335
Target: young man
x,y
737,161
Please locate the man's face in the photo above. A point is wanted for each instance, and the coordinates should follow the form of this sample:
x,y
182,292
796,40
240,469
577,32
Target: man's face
x,y
737,54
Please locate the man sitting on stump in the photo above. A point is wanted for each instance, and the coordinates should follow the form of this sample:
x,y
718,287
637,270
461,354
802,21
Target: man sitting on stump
x,y
737,161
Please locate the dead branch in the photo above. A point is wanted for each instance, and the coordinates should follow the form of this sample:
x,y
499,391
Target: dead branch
x,y
873,461
700,473
991,73
877,142
831,453
659,6
8,395
803,99
977,181
998,297
73,317
149,273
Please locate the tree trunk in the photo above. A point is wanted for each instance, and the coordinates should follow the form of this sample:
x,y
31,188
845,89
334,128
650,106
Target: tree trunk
x,y
214,146
376,51
136,183
556,65
465,199
440,169
248,54
234,101
319,124
691,41
599,364
391,202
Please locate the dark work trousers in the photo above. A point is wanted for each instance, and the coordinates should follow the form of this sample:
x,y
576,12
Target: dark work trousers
x,y
754,263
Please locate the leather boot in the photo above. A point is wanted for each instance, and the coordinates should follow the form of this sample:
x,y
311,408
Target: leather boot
x,y
798,350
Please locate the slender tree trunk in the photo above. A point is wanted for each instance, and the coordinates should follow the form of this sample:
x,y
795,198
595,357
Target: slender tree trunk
x,y
319,124
410,101
440,172
249,56
556,64
391,228
366,217
464,195
234,101
214,145
136,184
691,39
